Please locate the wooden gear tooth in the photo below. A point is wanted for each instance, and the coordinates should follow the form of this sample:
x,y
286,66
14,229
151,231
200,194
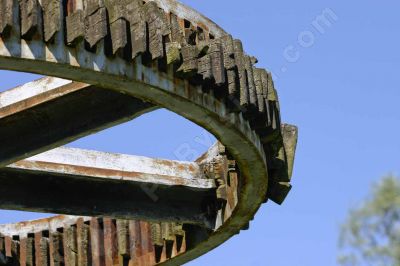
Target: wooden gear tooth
x,y
123,238
31,22
75,27
250,82
158,27
51,18
96,28
56,249
6,15
190,64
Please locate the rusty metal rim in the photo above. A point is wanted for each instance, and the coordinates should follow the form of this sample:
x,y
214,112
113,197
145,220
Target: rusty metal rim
x,y
230,128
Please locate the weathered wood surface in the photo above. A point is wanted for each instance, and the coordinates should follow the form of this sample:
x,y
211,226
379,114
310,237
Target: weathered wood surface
x,y
96,28
73,240
84,48
242,75
143,185
51,112
95,165
217,62
194,48
75,27
158,27
115,185
139,32
31,19
51,18
6,14
190,63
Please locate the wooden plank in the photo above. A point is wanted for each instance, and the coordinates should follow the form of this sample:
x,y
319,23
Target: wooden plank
x,y
118,26
97,241
173,50
264,79
56,249
158,28
136,249
70,245
83,241
241,67
136,17
3,258
92,6
177,33
6,15
229,51
119,35
250,82
205,67
259,89
12,251
31,22
51,18
110,242
189,66
123,238
27,255
147,188
148,256
33,117
217,62
75,27
96,27
103,166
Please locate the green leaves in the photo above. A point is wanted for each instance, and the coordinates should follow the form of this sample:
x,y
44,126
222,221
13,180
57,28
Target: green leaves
x,y
371,234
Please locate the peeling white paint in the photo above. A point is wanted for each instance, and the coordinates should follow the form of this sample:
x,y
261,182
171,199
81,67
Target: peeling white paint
x,y
31,89
113,166
51,224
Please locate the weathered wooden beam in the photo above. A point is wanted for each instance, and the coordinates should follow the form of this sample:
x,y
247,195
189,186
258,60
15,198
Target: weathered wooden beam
x,y
117,167
50,112
80,182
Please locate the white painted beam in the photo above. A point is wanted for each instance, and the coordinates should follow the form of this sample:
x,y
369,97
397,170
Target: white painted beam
x,y
31,89
120,167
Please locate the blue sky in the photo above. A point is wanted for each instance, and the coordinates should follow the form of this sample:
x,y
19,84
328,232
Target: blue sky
x,y
343,93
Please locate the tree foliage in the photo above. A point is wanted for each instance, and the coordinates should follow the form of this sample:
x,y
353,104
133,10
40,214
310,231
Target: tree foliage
x,y
371,234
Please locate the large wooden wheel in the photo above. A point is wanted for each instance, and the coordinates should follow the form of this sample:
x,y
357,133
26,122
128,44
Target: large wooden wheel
x,y
114,60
